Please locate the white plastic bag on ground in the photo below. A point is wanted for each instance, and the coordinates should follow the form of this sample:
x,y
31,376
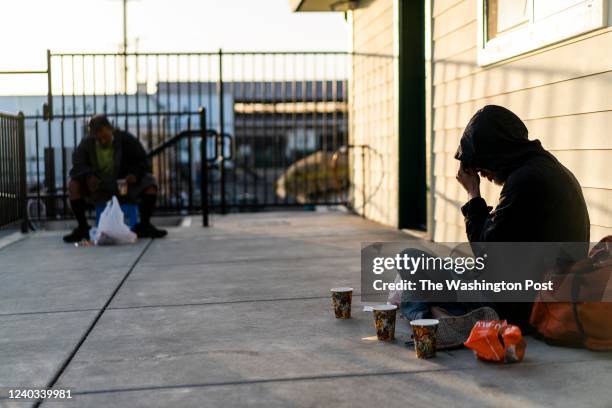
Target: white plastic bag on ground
x,y
112,229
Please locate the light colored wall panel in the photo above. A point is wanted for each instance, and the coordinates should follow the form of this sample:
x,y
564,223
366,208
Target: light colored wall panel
x,y
581,95
449,232
456,66
590,131
461,40
441,6
591,167
373,117
573,132
447,141
445,165
599,202
454,18
554,64
598,232
525,74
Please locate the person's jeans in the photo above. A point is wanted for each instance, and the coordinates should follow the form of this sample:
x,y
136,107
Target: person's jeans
x,y
417,309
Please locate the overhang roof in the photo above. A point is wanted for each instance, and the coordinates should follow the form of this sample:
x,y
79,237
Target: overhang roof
x,y
322,5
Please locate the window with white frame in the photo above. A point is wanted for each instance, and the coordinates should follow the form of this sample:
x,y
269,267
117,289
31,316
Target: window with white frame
x,y
513,27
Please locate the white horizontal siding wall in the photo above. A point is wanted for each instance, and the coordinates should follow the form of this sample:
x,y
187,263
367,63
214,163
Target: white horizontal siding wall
x,y
562,92
373,115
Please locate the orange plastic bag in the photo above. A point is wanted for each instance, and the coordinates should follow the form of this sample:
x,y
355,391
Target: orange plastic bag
x,y
496,340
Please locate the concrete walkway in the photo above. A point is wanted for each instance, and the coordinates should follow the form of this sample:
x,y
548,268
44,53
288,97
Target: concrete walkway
x,y
239,314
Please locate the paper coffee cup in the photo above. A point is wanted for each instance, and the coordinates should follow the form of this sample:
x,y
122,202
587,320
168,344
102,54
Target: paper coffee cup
x,y
341,299
424,333
384,320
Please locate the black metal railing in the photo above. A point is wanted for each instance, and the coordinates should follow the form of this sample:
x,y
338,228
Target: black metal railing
x,y
189,183
195,178
283,117
12,172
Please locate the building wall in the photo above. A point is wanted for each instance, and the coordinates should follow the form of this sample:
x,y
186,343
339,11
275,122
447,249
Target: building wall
x,y
562,92
373,111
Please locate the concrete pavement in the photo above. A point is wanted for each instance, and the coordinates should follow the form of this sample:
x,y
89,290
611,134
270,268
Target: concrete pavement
x,y
239,314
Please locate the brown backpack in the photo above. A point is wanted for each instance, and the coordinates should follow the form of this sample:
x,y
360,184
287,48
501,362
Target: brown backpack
x,y
579,324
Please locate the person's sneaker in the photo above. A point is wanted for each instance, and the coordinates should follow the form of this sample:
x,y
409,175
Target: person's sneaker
x,y
453,331
77,235
149,231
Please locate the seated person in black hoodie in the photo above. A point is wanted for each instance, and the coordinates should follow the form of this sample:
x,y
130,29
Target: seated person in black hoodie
x,y
540,201
103,157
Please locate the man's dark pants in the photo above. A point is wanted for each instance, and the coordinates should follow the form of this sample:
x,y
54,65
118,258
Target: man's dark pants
x,y
143,192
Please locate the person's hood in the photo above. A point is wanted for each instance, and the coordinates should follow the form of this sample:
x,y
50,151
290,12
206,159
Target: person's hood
x,y
496,139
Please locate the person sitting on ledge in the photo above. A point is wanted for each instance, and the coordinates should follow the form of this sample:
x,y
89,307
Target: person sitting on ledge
x,y
103,157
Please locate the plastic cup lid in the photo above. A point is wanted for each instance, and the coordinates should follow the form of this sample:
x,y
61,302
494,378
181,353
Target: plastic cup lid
x,y
384,307
424,322
344,289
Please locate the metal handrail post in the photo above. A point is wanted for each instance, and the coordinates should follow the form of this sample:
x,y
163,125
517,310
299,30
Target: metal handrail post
x,y
23,194
221,132
48,110
204,167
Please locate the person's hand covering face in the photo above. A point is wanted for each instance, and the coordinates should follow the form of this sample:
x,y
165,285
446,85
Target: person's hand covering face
x,y
469,180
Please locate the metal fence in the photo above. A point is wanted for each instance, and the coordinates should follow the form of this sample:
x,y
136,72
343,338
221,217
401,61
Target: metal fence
x,y
12,171
277,125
